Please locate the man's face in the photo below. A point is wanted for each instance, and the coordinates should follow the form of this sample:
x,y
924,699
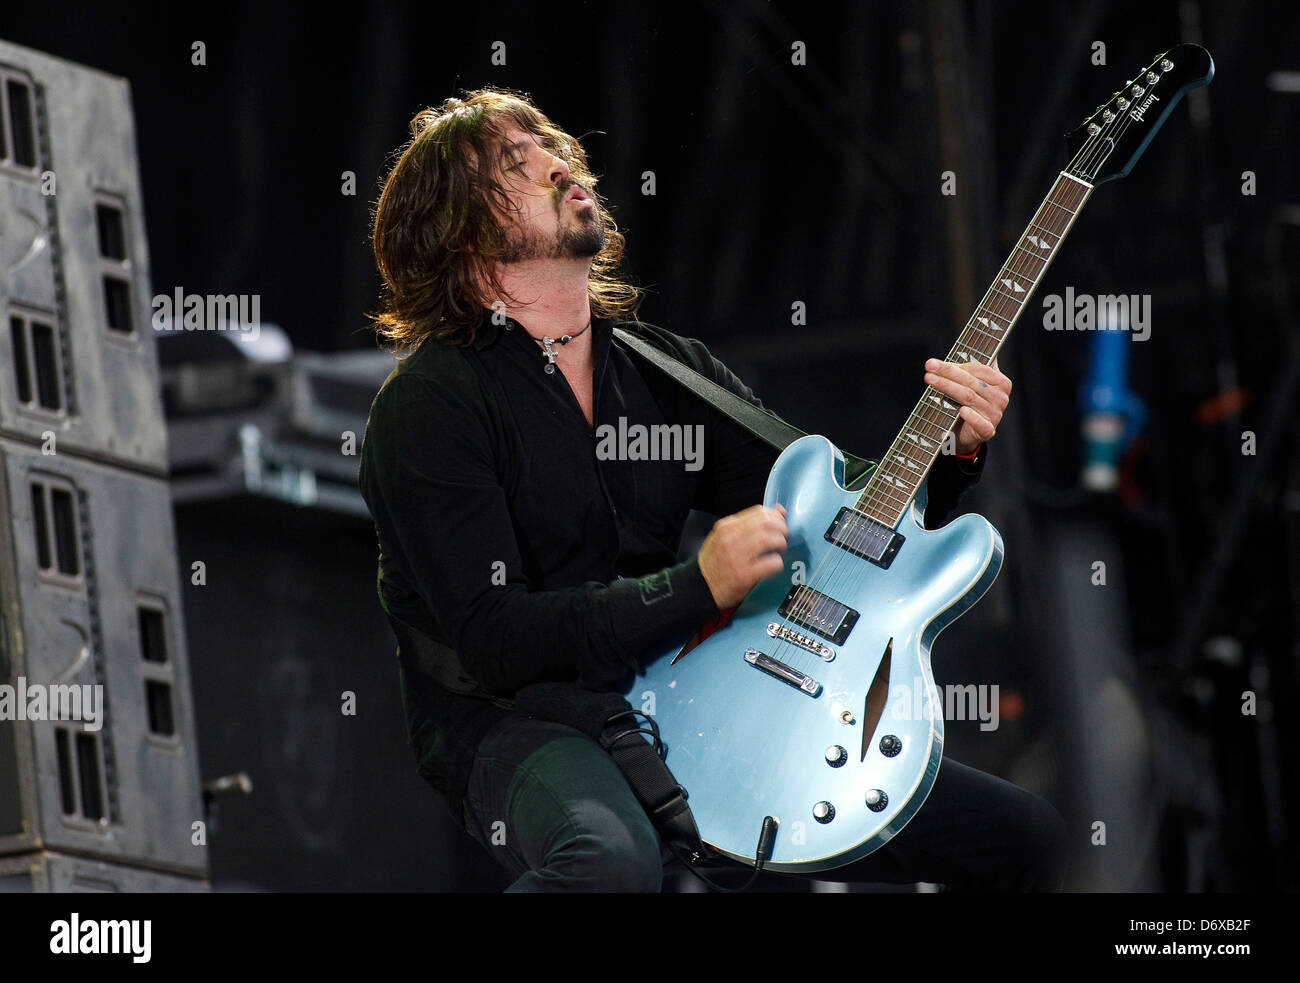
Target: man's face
x,y
556,219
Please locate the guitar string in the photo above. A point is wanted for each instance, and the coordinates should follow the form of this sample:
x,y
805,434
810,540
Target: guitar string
x,y
1068,197
872,495
826,580
879,491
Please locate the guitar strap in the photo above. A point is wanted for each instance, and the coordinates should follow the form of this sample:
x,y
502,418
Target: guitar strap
x,y
762,423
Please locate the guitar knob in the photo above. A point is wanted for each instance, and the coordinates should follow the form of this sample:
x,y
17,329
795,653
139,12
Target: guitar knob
x,y
836,756
1166,65
877,800
823,812
1122,104
1152,78
1137,90
890,745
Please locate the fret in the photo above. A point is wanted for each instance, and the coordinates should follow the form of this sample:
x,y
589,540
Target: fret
x,y
988,335
912,455
887,507
1063,208
915,443
881,518
902,465
1050,232
924,443
900,487
934,437
899,452
902,494
1008,297
961,354
969,353
876,509
900,459
990,324
1033,256
906,492
940,400
985,323
1028,266
940,429
977,337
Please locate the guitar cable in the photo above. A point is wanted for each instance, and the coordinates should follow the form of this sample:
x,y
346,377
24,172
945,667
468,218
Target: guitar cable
x,y
766,840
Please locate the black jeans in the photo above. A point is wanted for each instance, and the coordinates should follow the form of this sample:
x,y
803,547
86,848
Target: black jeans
x,y
555,810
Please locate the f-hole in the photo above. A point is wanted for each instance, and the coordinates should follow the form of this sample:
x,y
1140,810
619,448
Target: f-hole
x,y
875,703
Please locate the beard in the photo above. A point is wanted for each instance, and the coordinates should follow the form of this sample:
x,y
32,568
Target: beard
x,y
582,241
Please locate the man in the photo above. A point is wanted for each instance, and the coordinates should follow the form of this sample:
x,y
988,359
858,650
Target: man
x,y
514,555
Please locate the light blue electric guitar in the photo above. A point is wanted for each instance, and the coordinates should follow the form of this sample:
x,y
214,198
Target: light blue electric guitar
x,y
815,705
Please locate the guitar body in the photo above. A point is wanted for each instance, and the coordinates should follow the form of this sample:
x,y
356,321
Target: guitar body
x,y
747,744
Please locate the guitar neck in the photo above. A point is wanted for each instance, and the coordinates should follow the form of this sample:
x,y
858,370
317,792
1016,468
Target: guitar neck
x,y
897,478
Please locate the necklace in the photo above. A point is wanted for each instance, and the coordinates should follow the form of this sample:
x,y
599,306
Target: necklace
x,y
549,352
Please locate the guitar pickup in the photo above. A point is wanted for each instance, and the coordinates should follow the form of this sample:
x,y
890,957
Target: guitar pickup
x,y
818,613
863,536
787,674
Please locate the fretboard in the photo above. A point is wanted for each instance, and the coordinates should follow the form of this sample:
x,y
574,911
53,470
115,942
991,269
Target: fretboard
x,y
898,476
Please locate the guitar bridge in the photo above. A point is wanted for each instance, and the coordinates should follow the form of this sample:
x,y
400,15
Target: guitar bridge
x,y
785,633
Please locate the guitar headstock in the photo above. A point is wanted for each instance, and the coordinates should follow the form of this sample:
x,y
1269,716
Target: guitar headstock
x,y
1108,143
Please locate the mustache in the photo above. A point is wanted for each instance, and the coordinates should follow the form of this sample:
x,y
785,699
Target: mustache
x,y
563,189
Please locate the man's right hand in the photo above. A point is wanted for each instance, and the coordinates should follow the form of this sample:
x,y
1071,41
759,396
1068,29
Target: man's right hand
x,y
741,550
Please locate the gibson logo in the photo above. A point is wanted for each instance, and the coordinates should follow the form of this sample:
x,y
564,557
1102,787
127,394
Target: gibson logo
x,y
1138,113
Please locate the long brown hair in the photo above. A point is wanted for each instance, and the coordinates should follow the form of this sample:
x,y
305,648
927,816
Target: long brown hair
x,y
436,231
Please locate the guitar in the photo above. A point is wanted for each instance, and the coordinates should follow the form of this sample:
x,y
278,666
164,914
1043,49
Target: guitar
x,y
804,709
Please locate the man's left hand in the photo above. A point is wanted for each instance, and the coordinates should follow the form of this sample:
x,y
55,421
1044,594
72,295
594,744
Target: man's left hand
x,y
983,393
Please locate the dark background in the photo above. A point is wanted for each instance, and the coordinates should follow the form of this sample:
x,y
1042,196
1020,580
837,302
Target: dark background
x,y
818,183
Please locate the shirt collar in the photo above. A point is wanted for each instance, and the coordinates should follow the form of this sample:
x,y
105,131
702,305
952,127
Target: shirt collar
x,y
489,332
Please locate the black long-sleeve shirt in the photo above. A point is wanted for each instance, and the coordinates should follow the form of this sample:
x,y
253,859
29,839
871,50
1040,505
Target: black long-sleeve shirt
x,y
505,535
